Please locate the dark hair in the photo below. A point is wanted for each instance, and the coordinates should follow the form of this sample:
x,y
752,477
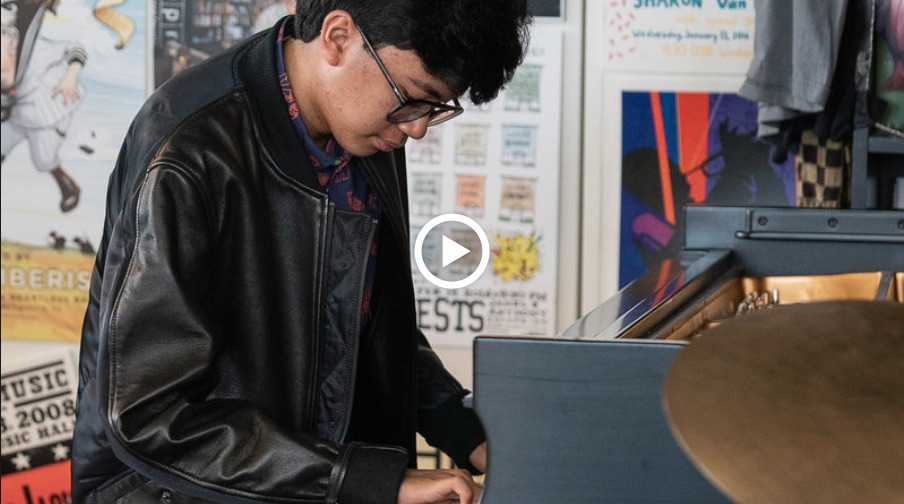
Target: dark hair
x,y
473,45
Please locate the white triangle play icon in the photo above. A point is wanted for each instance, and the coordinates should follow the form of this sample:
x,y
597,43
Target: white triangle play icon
x,y
452,251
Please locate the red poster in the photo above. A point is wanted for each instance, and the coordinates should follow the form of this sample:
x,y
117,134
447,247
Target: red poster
x,y
48,484
38,406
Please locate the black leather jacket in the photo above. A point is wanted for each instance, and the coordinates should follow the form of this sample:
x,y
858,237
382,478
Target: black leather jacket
x,y
221,358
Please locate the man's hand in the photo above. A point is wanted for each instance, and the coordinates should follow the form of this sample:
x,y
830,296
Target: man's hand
x,y
446,486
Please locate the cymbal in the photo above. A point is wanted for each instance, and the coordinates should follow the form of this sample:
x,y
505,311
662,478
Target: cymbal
x,y
796,403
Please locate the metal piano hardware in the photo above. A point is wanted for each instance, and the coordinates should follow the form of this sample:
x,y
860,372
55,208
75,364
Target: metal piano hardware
x,y
577,417
844,225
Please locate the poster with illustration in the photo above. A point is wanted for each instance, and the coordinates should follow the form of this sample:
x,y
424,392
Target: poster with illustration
x,y
681,148
73,77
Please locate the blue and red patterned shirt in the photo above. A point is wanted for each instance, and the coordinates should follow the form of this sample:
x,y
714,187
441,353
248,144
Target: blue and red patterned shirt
x,y
337,172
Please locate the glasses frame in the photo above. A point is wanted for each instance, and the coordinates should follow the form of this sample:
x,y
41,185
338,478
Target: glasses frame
x,y
439,112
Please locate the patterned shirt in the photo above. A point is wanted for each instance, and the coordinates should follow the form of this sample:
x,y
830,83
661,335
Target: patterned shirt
x,y
336,170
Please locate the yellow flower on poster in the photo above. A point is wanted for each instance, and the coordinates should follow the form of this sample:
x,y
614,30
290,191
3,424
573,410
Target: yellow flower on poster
x,y
515,257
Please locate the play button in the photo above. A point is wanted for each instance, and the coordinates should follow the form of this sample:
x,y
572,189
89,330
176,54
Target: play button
x,y
452,251
458,266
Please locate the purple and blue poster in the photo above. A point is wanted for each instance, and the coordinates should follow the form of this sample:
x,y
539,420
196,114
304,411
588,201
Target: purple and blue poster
x,y
689,148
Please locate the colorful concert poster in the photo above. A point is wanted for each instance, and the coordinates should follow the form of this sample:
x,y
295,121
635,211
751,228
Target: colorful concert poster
x,y
682,148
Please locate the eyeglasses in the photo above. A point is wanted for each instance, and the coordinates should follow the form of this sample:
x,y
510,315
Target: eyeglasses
x,y
411,110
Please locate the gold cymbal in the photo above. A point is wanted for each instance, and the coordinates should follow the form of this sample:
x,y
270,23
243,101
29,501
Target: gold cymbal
x,y
796,403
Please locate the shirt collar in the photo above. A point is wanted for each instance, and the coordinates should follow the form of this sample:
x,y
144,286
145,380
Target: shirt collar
x,y
334,154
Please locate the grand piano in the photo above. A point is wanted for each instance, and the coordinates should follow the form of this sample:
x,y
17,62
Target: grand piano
x,y
579,416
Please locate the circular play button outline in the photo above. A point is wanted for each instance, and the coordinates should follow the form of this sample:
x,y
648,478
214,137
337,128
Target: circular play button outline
x,y
484,251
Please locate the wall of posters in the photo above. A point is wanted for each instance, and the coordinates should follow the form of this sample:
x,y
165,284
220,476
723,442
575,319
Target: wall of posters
x,y
499,165
73,78
80,69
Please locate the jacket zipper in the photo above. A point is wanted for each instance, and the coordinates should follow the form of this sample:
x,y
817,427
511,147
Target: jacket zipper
x,y
323,260
356,333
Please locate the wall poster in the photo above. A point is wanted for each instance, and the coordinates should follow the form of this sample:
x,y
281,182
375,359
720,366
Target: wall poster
x,y
73,77
38,403
707,36
188,32
499,165
681,148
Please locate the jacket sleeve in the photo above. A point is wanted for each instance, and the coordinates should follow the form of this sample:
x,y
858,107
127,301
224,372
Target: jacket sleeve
x,y
157,371
443,419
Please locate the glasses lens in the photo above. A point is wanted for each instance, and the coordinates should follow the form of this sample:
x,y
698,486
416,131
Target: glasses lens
x,y
410,112
415,111
441,116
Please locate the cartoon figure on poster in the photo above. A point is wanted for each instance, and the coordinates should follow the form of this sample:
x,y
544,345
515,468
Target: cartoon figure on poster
x,y
41,92
689,148
41,88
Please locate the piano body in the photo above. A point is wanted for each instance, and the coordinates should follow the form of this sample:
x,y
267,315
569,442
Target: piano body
x,y
578,417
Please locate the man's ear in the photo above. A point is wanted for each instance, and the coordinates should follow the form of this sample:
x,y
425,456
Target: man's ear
x,y
336,36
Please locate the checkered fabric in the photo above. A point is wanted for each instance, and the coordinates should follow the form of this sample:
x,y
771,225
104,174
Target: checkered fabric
x,y
823,172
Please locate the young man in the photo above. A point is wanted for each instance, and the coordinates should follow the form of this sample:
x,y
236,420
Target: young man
x,y
251,334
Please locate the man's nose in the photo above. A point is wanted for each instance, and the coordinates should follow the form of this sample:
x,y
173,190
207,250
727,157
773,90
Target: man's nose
x,y
415,129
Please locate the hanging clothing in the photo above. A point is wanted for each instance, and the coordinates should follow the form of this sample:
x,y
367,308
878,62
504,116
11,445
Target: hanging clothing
x,y
806,69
